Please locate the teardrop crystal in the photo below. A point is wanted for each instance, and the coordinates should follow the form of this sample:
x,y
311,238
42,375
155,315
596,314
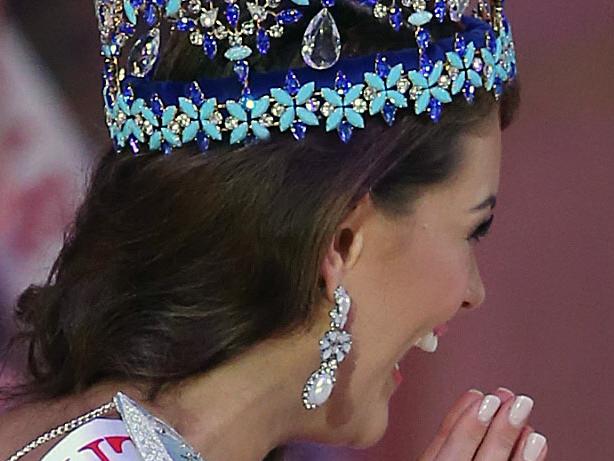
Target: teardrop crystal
x,y
457,8
144,53
321,42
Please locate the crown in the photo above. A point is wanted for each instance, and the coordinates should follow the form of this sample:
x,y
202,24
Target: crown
x,y
329,91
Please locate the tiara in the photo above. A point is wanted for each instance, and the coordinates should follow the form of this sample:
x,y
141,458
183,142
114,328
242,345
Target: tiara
x,y
330,91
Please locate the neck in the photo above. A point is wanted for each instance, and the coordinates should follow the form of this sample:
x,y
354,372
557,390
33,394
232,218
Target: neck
x,y
248,406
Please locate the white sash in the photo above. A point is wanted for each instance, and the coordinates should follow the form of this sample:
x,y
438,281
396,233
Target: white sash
x,y
99,440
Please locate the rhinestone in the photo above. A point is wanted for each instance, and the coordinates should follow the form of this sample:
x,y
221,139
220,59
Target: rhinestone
x,y
207,19
369,93
414,92
144,54
267,120
216,117
220,33
419,5
276,30
326,109
477,64
194,6
277,109
175,127
444,81
488,71
380,11
403,84
121,118
183,120
148,128
312,105
360,105
138,120
453,72
257,12
248,28
231,123
196,38
235,40
406,3
321,388
273,3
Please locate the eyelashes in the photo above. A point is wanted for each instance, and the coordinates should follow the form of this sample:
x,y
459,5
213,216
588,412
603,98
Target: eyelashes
x,y
482,230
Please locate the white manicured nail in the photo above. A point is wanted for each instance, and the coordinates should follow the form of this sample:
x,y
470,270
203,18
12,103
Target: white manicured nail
x,y
489,407
535,444
521,408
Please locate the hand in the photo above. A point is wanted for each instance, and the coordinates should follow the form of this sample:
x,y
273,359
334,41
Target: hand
x,y
463,437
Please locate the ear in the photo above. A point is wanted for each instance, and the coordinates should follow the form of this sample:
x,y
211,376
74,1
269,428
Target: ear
x,y
346,245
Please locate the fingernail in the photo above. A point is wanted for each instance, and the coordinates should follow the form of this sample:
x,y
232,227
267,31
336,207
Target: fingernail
x,y
476,391
535,444
489,407
521,408
504,389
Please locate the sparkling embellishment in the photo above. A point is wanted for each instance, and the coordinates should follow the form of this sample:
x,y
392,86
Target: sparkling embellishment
x,y
154,439
208,17
321,46
144,54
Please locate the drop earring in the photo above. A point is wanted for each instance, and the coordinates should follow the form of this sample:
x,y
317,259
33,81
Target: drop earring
x,y
335,344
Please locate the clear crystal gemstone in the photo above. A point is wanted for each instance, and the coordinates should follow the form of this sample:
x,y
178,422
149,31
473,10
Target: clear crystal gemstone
x,y
194,6
235,40
207,19
267,120
196,38
321,42
231,123
321,389
444,81
403,84
369,93
248,28
276,30
380,11
216,117
312,105
220,33
257,12
457,8
414,92
326,109
144,54
277,109
360,105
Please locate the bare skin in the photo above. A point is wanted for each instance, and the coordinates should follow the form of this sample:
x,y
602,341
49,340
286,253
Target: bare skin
x,y
404,276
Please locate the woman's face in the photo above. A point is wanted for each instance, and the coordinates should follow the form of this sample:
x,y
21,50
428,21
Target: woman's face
x,y
406,276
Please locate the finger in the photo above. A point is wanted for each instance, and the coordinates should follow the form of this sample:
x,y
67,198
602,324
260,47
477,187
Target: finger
x,y
469,430
505,429
532,446
466,400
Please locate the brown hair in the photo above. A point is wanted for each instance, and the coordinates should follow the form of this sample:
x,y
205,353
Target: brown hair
x,y
174,264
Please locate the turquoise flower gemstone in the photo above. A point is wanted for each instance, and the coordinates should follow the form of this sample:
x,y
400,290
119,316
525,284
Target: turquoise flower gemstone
x,y
420,18
237,53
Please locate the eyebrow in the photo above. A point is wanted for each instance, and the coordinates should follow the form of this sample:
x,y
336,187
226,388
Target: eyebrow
x,y
490,202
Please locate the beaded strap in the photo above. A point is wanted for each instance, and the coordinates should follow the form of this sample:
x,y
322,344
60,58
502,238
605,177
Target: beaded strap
x,y
64,429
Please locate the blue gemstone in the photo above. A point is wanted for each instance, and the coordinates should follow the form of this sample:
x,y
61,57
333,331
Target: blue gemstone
x,y
425,64
389,112
460,45
370,3
167,148
134,144
196,95
210,45
469,91
108,98
396,19
298,130
160,2
156,105
498,86
202,140
289,16
491,41
263,43
345,131
342,82
232,14
423,37
116,147
291,84
440,10
151,15
435,110
506,25
186,25
512,70
126,28
128,95
328,3
382,68
136,3
241,68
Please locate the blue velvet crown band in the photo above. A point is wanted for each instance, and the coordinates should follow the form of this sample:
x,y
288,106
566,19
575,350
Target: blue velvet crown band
x,y
328,91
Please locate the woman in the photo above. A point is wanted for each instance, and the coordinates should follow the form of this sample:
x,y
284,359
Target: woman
x,y
262,293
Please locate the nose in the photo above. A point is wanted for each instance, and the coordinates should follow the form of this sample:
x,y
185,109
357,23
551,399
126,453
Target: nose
x,y
476,292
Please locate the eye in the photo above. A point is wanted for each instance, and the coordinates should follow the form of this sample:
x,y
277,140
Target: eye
x,y
482,229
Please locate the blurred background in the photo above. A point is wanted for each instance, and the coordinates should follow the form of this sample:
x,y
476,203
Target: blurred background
x,y
548,266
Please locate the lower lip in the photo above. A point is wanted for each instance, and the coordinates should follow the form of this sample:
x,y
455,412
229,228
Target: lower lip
x,y
398,377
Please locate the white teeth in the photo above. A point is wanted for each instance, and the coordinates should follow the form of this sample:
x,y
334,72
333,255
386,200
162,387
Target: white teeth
x,y
396,366
428,343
